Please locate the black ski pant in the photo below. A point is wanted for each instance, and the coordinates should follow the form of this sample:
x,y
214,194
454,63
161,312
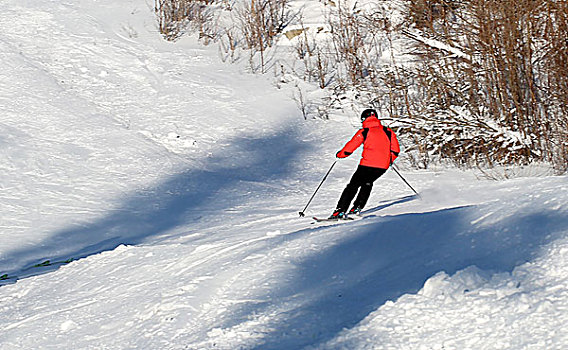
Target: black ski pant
x,y
362,181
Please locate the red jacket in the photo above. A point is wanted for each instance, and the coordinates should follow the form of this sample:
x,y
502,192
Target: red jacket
x,y
379,151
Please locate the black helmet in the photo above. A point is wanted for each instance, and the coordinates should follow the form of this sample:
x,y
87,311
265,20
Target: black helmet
x,y
368,113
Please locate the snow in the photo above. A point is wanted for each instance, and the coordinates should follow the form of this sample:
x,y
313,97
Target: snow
x,y
174,181
456,52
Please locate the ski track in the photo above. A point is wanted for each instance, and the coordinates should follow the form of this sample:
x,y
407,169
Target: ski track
x,y
175,180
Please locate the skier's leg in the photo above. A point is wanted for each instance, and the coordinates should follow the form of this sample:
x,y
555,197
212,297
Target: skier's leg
x,y
370,175
346,197
350,190
363,196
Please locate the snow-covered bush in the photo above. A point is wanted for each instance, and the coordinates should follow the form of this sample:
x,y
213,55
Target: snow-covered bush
x,y
492,80
174,16
260,22
478,82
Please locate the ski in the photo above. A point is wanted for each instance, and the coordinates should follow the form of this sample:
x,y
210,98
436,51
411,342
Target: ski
x,y
331,219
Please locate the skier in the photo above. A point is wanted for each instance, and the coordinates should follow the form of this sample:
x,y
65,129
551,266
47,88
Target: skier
x,y
380,149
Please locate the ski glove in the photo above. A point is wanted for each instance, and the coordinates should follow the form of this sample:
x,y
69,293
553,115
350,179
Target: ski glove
x,y
342,154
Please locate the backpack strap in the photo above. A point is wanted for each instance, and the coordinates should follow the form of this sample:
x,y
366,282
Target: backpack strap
x,y
388,132
389,135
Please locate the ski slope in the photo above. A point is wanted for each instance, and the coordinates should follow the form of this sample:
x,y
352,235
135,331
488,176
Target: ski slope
x,y
173,181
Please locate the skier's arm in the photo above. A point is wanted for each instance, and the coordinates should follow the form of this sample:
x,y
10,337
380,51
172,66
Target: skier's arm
x,y
395,147
352,145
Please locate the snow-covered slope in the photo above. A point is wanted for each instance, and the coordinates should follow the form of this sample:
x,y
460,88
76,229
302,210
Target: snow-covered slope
x,y
174,183
95,121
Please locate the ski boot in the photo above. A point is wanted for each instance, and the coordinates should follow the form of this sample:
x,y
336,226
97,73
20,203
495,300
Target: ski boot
x,y
338,214
355,211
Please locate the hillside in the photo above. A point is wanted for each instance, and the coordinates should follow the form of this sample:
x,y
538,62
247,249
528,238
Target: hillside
x,y
164,185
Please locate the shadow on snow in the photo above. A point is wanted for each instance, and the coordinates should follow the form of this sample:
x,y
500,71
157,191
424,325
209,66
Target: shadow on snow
x,y
381,258
150,213
372,260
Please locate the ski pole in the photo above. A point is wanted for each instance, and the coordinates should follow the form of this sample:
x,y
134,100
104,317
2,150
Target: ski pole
x,y
313,195
406,182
